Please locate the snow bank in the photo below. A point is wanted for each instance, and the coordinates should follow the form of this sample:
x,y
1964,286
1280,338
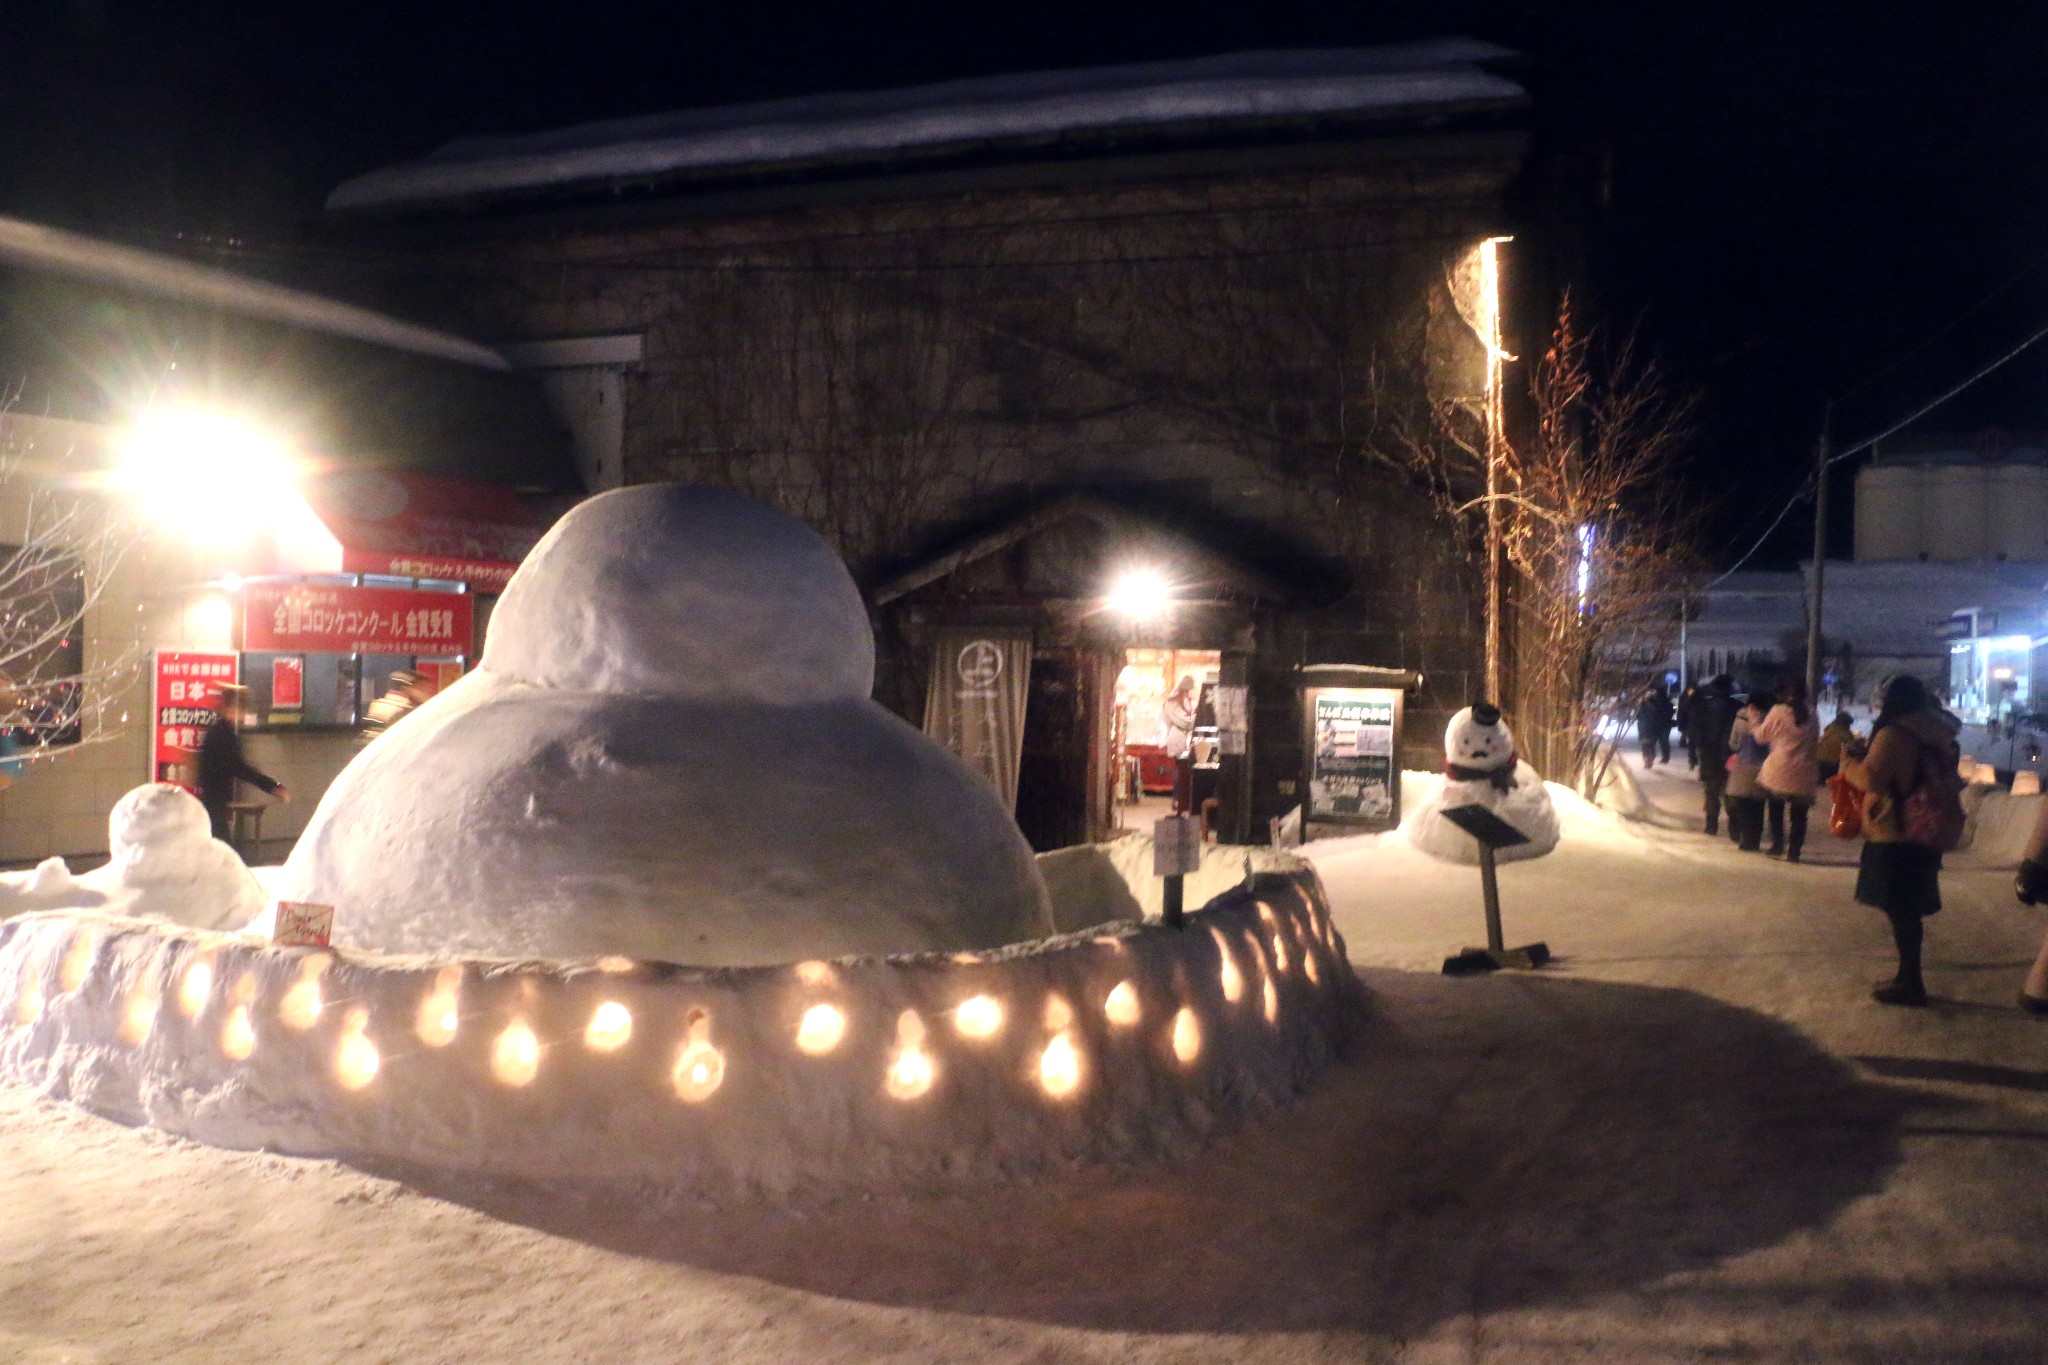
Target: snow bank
x,y
163,863
668,752
1127,1041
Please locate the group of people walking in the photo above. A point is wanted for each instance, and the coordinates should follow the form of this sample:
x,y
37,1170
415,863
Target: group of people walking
x,y
1763,758
1759,759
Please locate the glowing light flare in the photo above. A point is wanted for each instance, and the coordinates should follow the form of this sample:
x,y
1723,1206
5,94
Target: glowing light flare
x,y
611,1025
1272,999
440,1010
978,1017
1231,979
1187,1036
815,973
700,1067
1121,1007
238,1035
614,965
1059,1067
911,1070
207,474
820,1030
195,986
515,1054
356,1060
1140,594
1308,964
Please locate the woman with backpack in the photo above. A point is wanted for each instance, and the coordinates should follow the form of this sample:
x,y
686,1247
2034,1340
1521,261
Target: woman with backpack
x,y
1792,771
1911,811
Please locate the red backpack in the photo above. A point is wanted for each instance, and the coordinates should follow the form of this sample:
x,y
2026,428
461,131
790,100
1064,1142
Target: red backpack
x,y
1933,814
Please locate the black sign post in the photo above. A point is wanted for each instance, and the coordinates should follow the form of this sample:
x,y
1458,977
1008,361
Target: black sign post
x,y
1491,833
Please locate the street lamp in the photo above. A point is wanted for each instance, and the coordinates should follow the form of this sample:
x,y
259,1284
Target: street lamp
x,y
207,473
1141,594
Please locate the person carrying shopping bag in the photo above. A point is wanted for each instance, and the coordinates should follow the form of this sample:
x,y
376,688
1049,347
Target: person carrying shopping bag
x,y
1792,771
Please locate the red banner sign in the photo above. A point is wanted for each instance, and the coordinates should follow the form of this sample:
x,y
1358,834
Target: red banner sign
x,y
181,689
302,618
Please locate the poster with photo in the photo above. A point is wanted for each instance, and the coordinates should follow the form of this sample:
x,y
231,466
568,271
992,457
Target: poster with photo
x,y
1352,776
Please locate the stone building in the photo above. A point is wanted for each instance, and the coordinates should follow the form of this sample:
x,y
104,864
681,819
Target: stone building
x,y
1007,341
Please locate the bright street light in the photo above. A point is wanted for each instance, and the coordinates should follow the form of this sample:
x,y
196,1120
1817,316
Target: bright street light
x,y
210,475
1140,594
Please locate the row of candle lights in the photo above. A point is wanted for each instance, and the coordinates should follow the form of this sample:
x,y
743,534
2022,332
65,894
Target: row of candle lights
x,y
699,1067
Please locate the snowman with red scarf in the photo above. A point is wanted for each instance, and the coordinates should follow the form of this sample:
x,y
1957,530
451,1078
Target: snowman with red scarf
x,y
1481,768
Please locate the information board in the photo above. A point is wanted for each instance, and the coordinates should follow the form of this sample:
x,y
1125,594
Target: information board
x,y
181,686
1352,776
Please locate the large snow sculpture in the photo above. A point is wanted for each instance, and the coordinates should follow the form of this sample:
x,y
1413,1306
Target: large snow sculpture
x,y
668,752
163,863
1481,768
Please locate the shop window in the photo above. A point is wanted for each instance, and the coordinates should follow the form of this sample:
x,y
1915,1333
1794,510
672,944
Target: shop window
x,y
42,647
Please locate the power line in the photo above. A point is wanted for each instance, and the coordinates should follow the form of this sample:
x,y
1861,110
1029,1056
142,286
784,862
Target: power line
x,y
1948,326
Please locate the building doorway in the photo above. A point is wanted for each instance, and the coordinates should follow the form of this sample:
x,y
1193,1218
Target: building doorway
x,y
1144,747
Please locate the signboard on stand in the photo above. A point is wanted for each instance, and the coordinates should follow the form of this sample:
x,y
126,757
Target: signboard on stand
x,y
1352,737
181,689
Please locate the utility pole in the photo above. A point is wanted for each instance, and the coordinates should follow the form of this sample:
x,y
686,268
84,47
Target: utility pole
x,y
1820,555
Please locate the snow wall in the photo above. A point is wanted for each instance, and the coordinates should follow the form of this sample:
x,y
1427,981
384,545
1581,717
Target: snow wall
x,y
1126,1041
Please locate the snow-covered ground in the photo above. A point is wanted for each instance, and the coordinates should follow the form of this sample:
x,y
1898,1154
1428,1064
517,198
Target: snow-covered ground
x,y
1691,1138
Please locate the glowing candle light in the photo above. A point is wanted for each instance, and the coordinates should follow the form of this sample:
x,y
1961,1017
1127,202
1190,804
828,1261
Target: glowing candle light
x,y
815,973
1121,1007
195,986
28,1005
700,1067
1059,1067
910,1071
1272,1002
515,1054
1187,1036
238,1034
300,1009
1058,1013
820,1030
978,1017
439,1013
139,1017
615,965
1308,964
356,1060
71,973
611,1024
1231,979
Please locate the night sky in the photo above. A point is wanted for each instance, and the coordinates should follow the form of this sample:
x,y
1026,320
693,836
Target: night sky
x,y
1783,200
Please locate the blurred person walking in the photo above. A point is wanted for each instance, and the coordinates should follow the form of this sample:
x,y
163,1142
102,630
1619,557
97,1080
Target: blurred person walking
x,y
1745,791
1792,771
1653,725
1713,719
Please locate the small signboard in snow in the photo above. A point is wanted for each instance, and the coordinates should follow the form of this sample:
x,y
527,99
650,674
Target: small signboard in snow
x,y
1176,846
303,924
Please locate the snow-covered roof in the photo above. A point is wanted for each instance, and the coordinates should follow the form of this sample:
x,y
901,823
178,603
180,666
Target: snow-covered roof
x,y
1238,89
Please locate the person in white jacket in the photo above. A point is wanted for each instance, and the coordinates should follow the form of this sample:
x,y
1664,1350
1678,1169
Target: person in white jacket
x,y
1791,772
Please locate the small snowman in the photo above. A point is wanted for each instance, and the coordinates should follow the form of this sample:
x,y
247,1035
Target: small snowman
x,y
1480,768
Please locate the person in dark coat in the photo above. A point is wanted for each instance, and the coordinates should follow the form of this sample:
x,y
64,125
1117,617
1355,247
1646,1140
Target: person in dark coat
x,y
1688,704
221,765
1653,725
1713,717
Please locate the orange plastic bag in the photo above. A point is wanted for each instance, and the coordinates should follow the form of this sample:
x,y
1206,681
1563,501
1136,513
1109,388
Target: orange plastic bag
x,y
1845,821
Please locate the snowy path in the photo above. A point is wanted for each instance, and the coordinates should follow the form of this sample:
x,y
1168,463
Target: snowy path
x,y
1694,1138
